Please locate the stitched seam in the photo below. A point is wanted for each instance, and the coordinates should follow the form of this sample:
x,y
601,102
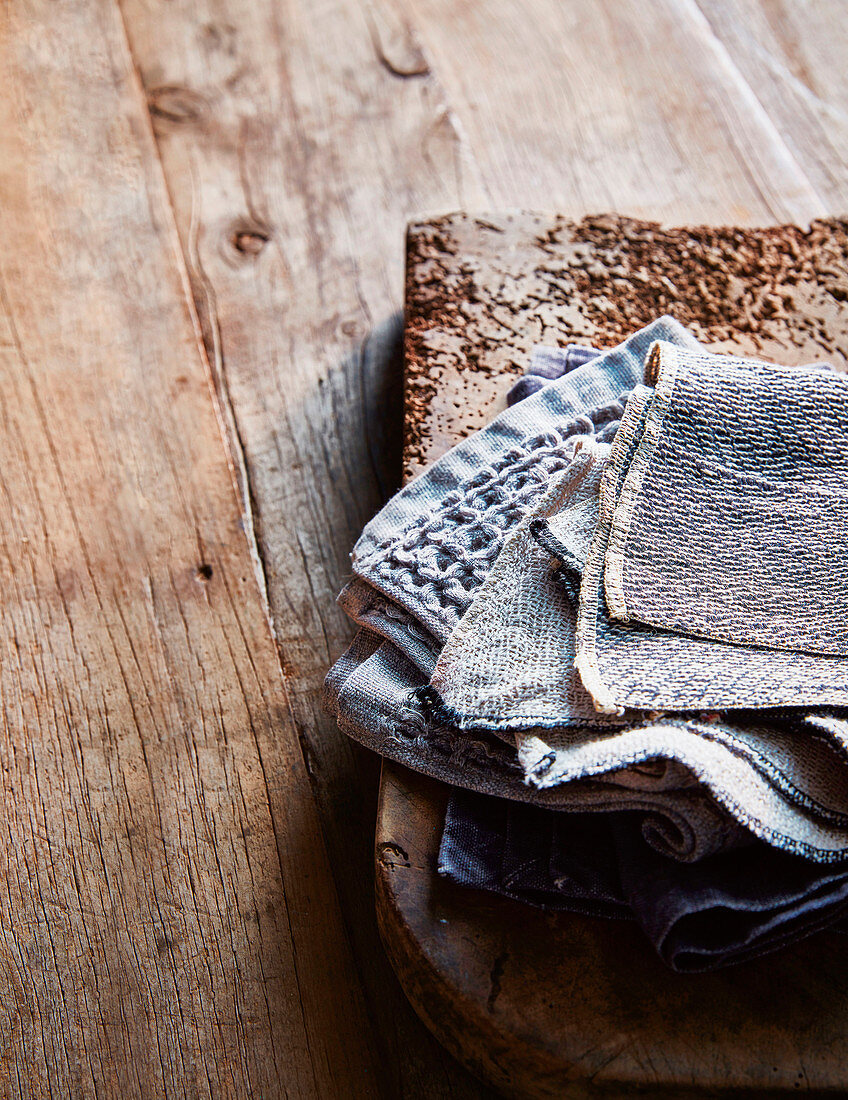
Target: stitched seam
x,y
411,728
825,697
543,535
443,713
410,733
586,659
664,359
770,770
819,855
398,615
743,751
745,638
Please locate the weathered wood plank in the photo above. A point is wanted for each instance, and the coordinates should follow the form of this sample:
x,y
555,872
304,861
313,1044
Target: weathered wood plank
x,y
564,1006
793,57
481,290
625,105
295,139
166,931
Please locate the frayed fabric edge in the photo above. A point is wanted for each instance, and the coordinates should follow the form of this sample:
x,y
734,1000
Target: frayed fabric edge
x,y
663,365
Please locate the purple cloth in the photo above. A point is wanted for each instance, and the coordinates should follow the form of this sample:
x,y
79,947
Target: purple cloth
x,y
725,909
546,365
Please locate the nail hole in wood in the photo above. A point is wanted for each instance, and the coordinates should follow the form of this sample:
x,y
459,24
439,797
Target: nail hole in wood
x,y
173,103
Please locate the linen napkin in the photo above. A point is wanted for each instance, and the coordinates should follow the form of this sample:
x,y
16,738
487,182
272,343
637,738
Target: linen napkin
x,y
732,522
796,442
434,542
509,663
371,691
509,666
547,364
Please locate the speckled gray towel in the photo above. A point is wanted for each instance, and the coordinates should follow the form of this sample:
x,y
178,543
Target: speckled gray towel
x,y
508,666
485,549
717,574
372,692
432,544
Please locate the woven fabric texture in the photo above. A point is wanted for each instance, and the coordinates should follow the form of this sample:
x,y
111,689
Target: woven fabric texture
x,y
547,364
434,542
630,664
732,522
370,608
494,567
372,693
791,794
509,664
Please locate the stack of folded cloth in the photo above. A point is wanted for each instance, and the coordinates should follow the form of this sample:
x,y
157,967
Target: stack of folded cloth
x,y
616,621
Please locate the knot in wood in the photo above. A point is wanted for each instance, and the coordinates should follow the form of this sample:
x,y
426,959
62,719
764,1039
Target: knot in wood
x,y
250,240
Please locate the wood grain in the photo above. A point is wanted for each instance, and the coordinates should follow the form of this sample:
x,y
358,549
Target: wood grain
x,y
294,139
620,105
166,931
792,55
559,1005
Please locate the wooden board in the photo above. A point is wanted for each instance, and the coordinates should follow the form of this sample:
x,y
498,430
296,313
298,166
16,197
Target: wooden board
x,y
482,289
558,1005
165,929
549,1004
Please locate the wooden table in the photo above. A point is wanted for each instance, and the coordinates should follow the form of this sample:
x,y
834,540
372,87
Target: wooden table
x,y
202,207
